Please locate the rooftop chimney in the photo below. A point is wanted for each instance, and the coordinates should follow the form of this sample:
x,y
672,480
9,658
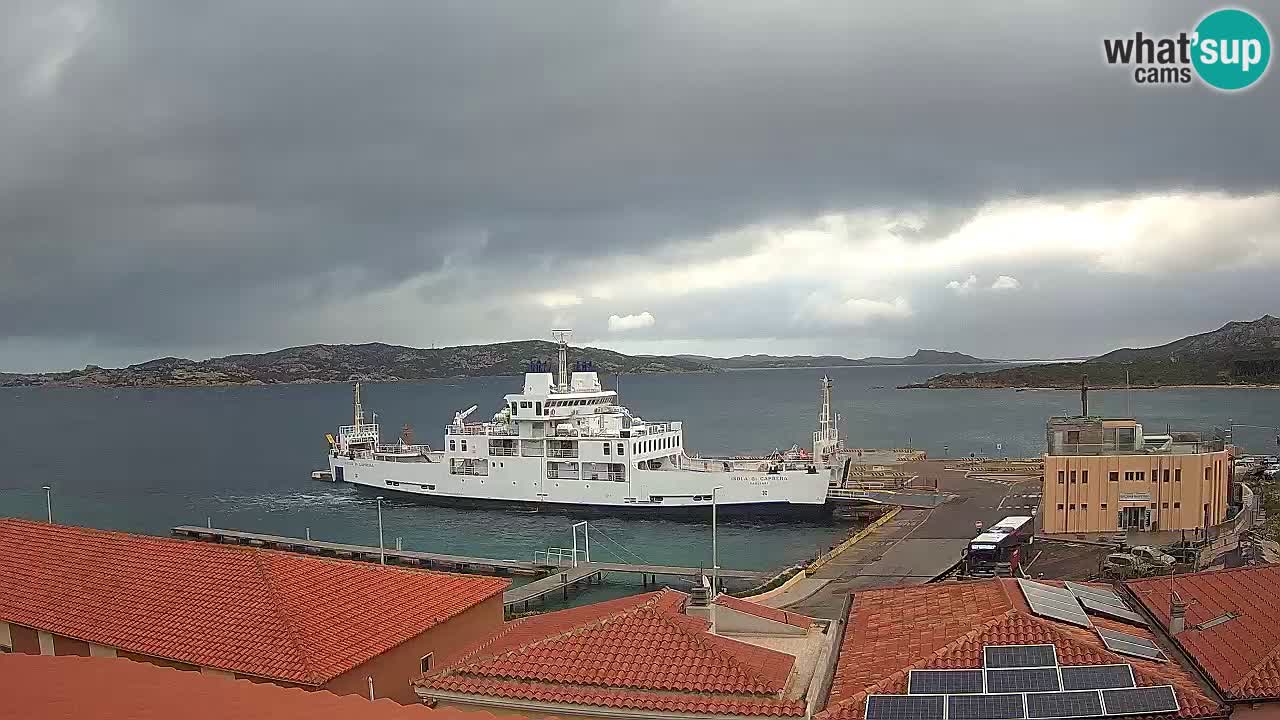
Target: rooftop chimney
x,y
1177,615
1084,395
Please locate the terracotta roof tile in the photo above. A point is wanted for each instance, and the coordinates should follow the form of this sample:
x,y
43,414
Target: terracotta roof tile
x,y
80,688
945,626
640,652
259,612
764,611
1242,656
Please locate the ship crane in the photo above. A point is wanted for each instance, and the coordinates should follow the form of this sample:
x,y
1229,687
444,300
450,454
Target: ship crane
x,y
459,417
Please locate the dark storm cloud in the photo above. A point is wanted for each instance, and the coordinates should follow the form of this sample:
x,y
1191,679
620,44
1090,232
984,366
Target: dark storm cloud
x,y
206,173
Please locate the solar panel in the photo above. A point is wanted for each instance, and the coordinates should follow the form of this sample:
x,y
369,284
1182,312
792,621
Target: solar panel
x,y
1140,701
985,707
1054,603
1095,593
1132,645
906,707
1096,677
1019,656
1078,704
949,682
1113,611
1023,680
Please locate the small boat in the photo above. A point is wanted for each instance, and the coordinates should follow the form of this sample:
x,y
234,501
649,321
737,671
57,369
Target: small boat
x,y
324,475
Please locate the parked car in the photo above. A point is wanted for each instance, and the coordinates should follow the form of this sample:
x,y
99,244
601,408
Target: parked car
x,y
1153,556
1122,566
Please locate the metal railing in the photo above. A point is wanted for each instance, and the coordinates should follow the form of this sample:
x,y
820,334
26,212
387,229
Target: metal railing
x,y
553,474
558,557
1174,448
501,450
562,452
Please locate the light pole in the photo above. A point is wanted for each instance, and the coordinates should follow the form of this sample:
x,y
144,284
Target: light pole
x,y
382,553
715,559
48,502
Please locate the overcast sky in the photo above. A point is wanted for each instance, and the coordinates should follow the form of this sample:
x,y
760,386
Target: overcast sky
x,y
198,178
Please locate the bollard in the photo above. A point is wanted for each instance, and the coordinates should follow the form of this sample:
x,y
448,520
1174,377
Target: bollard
x,y
308,534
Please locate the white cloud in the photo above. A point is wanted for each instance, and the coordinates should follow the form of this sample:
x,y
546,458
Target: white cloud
x,y
630,322
1004,282
964,287
821,309
559,300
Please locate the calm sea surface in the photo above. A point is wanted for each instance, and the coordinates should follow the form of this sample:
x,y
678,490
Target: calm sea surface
x,y
147,459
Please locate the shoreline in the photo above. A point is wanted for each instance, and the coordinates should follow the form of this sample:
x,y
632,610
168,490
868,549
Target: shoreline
x,y
1203,386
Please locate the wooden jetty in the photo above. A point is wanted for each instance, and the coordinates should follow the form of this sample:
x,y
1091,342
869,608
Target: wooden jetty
x,y
556,577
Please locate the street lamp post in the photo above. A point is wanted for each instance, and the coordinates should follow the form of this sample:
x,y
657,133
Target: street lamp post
x,y
715,558
382,553
48,502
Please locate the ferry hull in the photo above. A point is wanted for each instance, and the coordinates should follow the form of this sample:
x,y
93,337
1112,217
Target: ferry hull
x,y
659,493
771,512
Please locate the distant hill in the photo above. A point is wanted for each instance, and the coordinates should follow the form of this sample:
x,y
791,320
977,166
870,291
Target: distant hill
x,y
1236,353
376,362
928,357
340,363
921,357
746,362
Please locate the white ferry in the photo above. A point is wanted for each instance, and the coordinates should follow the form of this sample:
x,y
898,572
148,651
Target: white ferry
x,y
565,443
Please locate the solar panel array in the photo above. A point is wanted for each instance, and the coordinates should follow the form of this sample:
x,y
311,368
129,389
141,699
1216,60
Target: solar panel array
x,y
1067,705
1106,603
1054,603
1023,682
1132,645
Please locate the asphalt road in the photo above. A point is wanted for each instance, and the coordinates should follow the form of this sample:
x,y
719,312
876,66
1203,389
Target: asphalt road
x,y
918,545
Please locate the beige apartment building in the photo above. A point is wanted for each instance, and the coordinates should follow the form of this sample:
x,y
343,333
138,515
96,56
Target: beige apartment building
x,y
1105,474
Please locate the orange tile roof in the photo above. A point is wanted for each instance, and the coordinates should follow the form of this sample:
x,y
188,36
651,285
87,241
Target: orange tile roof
x,y
945,626
764,611
639,653
1242,656
270,614
37,687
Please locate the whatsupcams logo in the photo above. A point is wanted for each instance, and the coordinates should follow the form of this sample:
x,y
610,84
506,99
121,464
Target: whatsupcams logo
x,y
1228,50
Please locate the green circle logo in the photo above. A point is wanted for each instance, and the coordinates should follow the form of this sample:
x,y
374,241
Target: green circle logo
x,y
1232,49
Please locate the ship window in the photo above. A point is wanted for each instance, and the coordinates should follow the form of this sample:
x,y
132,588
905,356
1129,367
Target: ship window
x,y
453,445
606,448
464,445
619,448
537,408
655,498
525,404
428,487
392,483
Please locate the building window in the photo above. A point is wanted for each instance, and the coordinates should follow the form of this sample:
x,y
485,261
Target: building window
x,y
1059,506
1128,476
1155,474
1164,506
1084,477
1153,506
1177,474
537,408
1104,506
1206,475
1177,505
1140,476
425,662
1084,506
1073,477
1072,507
1062,476
1114,476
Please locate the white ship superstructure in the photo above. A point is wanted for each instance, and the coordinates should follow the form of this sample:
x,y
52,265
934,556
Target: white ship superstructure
x,y
564,441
